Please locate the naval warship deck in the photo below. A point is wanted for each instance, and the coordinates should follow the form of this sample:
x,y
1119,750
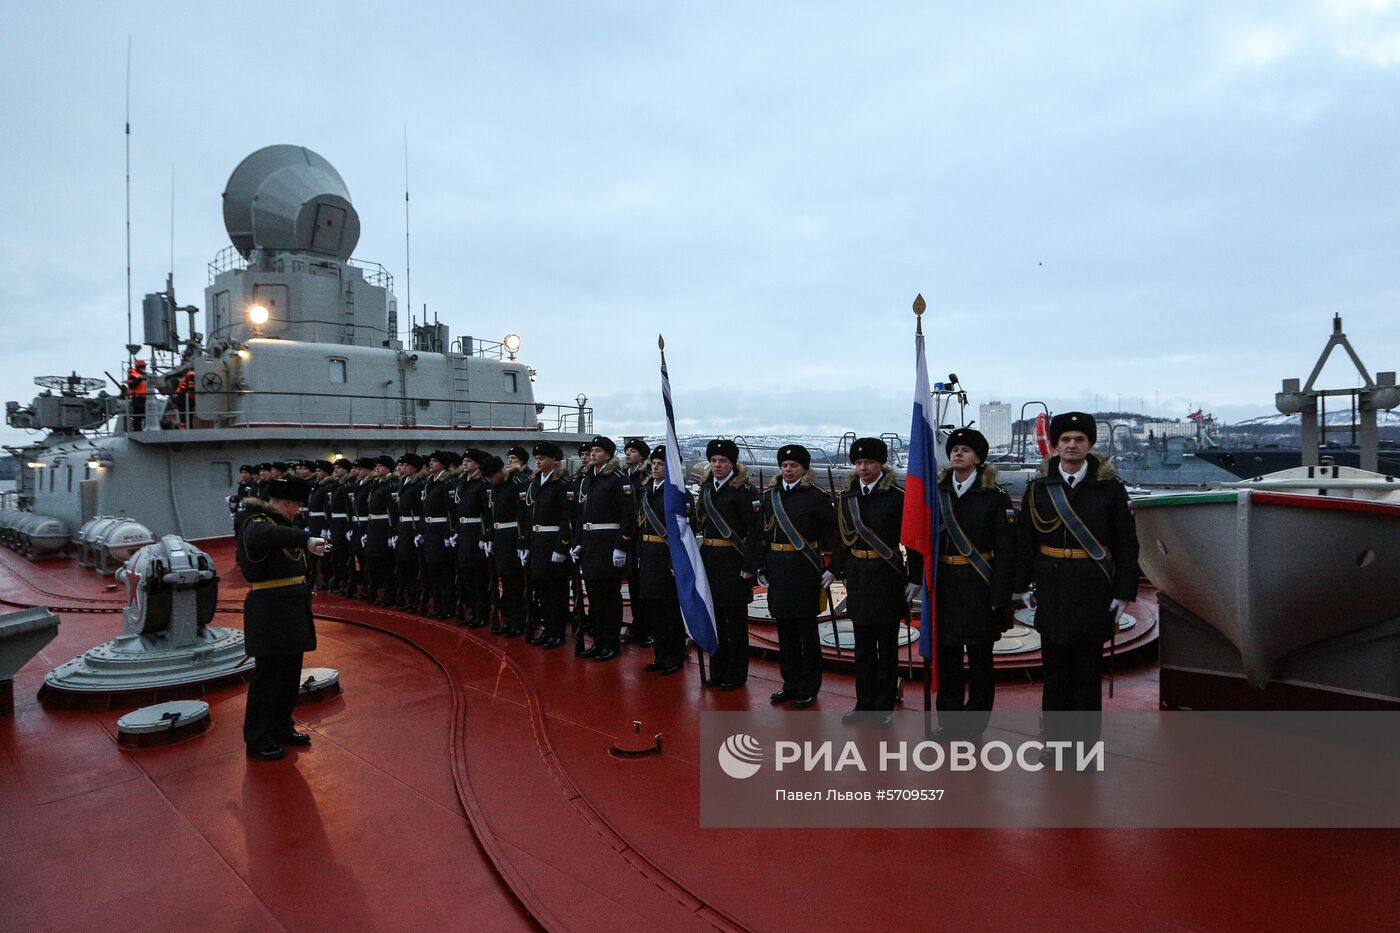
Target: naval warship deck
x,y
463,782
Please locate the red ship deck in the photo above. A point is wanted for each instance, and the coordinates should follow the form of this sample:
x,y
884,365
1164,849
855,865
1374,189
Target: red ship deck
x,y
464,782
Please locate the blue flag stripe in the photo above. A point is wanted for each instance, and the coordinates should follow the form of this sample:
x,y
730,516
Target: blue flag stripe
x,y
692,585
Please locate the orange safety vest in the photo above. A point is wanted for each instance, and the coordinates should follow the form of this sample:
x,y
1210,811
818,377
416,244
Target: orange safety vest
x,y
136,382
186,385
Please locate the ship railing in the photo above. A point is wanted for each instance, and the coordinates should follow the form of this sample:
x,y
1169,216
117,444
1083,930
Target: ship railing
x,y
229,259
321,410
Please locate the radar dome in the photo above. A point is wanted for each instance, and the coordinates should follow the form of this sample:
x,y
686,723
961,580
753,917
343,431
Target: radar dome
x,y
289,199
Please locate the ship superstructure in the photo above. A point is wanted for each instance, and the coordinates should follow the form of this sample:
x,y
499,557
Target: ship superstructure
x,y
299,358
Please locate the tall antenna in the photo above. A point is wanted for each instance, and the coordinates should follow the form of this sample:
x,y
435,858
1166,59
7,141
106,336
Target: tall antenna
x,y
128,201
172,220
407,253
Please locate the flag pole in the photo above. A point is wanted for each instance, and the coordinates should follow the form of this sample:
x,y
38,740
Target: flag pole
x,y
930,567
699,649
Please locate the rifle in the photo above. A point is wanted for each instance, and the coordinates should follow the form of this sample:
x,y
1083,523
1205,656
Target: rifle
x,y
830,601
581,625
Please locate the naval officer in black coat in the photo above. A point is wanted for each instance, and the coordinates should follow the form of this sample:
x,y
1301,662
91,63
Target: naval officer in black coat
x,y
726,517
277,624
655,579
797,521
605,516
977,559
546,504
1078,546
880,581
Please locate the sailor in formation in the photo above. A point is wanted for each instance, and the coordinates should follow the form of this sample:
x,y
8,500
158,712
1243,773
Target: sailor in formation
x,y
547,505
507,485
797,523
408,505
655,581
421,533
1078,547
880,580
380,581
342,491
473,520
637,463
726,518
976,554
438,535
605,515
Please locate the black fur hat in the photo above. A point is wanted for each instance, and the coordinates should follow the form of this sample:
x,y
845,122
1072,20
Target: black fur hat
x,y
870,448
796,453
970,438
722,447
289,488
1073,421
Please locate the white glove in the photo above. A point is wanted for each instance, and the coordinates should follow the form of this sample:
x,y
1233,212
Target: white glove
x,y
1116,607
524,557
316,546
619,558
762,579
417,540
745,574
557,558
364,539
393,541
1028,597
451,541
350,535
485,547
575,551
910,591
827,579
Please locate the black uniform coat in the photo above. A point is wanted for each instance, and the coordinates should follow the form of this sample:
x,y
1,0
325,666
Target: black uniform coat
x,y
469,502
971,611
656,579
548,503
341,493
408,503
278,620
874,587
318,505
360,510
794,582
604,496
437,517
507,509
1073,595
738,502
378,531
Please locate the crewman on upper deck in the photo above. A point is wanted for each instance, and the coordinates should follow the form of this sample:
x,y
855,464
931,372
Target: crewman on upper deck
x,y
136,388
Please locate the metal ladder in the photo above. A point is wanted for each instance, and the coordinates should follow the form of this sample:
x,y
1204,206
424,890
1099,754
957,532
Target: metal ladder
x,y
461,392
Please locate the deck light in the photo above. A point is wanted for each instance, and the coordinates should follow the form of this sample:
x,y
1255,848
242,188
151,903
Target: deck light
x,y
257,314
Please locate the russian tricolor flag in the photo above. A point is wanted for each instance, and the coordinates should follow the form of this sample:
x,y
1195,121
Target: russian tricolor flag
x,y
692,585
919,530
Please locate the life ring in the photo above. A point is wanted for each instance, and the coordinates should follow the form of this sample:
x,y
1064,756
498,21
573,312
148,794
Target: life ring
x,y
1042,434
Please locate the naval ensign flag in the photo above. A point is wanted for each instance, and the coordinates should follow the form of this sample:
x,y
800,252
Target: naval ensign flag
x,y
692,586
919,531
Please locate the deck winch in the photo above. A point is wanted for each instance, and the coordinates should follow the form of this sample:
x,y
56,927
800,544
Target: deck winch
x,y
167,648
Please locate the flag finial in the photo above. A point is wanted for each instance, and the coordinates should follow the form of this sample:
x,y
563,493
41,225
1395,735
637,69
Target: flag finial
x,y
920,306
661,345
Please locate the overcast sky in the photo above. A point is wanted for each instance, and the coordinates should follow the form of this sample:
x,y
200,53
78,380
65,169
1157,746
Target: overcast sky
x,y
1155,201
